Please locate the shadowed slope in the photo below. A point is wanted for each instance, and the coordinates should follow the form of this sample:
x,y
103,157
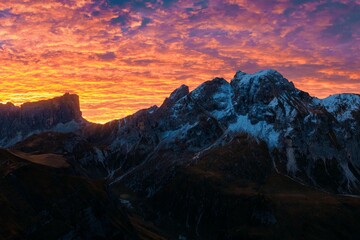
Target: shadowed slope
x,y
232,192
39,202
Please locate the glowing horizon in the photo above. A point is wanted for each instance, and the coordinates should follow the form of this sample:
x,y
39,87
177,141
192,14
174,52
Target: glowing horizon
x,y
121,56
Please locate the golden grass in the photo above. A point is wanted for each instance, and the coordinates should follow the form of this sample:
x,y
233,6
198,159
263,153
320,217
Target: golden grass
x,y
49,159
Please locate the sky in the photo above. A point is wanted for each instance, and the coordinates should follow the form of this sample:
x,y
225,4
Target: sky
x,y
121,56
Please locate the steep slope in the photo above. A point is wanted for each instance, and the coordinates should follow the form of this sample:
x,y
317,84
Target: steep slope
x,y
60,114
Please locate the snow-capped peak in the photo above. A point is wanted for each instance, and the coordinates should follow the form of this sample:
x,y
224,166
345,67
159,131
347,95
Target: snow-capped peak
x,y
262,78
341,105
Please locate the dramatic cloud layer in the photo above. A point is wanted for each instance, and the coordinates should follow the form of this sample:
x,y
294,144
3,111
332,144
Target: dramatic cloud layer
x,y
121,56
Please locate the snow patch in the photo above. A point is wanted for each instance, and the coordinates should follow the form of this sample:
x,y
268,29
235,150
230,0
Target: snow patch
x,y
100,155
291,166
125,203
171,134
274,103
262,130
341,105
351,179
66,127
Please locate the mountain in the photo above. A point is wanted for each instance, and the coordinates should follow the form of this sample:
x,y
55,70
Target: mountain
x,y
313,141
253,158
60,114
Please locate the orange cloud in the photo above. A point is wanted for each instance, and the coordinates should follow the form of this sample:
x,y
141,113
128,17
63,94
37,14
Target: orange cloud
x,y
121,58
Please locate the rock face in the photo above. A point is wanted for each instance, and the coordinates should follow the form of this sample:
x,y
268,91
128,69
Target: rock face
x,y
60,114
314,141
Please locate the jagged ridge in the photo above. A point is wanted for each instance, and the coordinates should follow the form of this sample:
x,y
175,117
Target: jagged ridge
x,y
307,141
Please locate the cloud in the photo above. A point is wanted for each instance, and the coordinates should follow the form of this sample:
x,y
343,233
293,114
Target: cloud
x,y
138,4
5,13
120,56
345,22
122,20
119,2
108,56
145,21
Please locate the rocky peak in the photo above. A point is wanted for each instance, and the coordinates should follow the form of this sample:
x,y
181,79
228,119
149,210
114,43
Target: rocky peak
x,y
239,74
269,74
214,97
65,108
175,96
180,92
211,88
263,85
7,107
341,106
259,88
57,114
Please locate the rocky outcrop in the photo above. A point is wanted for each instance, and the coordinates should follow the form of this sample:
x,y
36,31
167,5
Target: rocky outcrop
x,y
61,114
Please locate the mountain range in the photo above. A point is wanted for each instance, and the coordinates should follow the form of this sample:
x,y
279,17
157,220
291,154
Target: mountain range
x,y
253,158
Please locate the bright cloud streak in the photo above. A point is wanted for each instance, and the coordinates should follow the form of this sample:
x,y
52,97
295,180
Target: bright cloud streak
x,y
121,56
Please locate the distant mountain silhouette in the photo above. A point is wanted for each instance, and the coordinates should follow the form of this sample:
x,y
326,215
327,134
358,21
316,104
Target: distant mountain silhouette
x,y
60,114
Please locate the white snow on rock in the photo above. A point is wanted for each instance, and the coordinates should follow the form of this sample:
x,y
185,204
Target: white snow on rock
x,y
66,127
350,178
223,98
291,165
100,155
246,79
261,130
180,132
341,105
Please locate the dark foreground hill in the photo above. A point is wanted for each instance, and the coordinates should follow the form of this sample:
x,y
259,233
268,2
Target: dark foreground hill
x,y
42,202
